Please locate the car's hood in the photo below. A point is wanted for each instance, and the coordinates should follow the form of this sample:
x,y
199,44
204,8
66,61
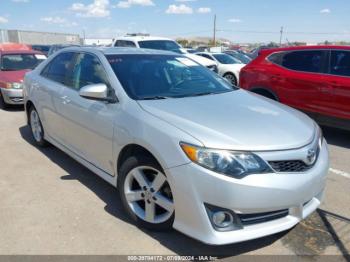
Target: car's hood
x,y
236,120
201,60
12,76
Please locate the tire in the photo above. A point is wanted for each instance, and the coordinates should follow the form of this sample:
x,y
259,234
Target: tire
x,y
142,196
3,104
231,78
265,93
36,128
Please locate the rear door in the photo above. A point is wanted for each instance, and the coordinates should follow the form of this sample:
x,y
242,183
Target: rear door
x,y
303,78
49,91
339,81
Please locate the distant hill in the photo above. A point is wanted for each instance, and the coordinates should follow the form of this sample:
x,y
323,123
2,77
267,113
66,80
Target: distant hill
x,y
203,40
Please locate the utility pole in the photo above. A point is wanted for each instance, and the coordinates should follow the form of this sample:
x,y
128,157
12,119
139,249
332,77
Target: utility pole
x,y
84,35
281,35
214,38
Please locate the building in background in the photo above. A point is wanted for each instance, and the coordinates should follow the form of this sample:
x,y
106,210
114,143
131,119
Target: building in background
x,y
38,38
98,41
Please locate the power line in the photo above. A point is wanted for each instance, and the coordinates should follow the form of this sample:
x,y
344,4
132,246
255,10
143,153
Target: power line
x,y
284,32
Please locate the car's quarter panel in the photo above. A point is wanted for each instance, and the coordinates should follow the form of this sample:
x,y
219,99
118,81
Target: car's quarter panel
x,y
46,97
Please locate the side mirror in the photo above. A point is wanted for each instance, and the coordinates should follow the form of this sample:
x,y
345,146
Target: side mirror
x,y
97,92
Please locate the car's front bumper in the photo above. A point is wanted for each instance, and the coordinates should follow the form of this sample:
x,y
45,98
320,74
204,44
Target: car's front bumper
x,y
12,96
298,193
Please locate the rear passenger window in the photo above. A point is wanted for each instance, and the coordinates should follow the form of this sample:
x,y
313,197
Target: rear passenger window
x,y
305,61
276,58
60,68
123,43
340,63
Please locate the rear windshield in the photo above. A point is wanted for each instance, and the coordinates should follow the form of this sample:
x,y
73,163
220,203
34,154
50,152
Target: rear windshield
x,y
146,77
226,59
15,62
161,45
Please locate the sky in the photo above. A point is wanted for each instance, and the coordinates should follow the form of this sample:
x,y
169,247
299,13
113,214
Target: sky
x,y
240,21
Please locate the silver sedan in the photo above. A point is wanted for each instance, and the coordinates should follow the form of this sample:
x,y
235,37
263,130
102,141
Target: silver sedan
x,y
184,148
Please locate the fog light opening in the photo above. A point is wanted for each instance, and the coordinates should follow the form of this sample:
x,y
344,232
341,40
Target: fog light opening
x,y
222,219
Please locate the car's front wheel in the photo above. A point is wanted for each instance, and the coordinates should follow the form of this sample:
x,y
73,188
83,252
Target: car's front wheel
x,y
36,127
231,78
145,193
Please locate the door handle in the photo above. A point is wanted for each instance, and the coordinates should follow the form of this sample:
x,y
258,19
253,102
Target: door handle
x,y
65,100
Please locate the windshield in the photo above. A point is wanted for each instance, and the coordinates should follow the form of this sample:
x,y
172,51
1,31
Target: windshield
x,y
226,59
165,76
167,45
16,62
245,59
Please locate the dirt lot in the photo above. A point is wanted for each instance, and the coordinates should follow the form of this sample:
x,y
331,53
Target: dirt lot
x,y
50,204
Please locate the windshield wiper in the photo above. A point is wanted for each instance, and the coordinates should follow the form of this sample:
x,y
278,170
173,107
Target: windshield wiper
x,y
155,98
205,94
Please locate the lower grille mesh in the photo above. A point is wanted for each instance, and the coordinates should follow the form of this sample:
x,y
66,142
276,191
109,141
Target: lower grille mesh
x,y
250,219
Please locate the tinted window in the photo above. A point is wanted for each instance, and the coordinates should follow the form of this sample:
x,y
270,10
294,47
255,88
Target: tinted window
x,y
226,59
154,76
340,63
60,68
306,61
15,62
276,58
160,45
206,56
88,70
123,43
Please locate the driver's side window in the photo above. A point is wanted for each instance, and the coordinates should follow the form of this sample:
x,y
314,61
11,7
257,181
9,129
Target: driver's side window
x,y
88,70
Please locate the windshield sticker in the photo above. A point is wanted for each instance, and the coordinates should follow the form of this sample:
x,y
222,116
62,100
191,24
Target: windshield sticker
x,y
186,61
40,57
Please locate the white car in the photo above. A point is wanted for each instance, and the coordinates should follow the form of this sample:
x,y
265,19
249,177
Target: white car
x,y
228,66
161,43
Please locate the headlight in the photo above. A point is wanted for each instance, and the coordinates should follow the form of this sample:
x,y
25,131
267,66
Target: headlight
x,y
231,163
14,85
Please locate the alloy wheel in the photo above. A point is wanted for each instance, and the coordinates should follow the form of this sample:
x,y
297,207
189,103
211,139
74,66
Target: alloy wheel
x,y
148,194
36,126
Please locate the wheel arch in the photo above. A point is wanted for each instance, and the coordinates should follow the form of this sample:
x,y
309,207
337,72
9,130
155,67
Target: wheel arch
x,y
133,150
266,92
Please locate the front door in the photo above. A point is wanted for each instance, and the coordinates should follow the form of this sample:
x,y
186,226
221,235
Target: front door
x,y
88,123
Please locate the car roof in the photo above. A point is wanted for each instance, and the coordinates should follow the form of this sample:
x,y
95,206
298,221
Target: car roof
x,y
13,52
121,51
309,47
211,53
142,38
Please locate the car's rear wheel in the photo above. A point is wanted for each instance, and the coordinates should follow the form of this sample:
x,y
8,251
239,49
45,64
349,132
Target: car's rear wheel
x,y
231,78
145,193
36,128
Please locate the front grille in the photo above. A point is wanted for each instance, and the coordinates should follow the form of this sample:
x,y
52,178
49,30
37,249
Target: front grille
x,y
250,219
289,166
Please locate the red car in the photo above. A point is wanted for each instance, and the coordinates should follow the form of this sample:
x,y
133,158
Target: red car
x,y
15,61
314,79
